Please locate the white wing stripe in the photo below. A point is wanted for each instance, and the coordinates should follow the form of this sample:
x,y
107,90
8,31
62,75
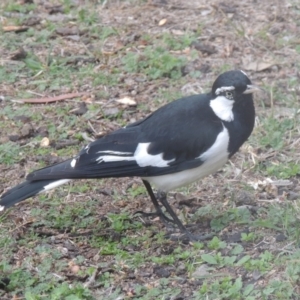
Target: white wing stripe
x,y
141,156
54,184
115,152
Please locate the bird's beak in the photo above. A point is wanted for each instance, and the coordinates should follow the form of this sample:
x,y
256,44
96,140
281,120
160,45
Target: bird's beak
x,y
252,89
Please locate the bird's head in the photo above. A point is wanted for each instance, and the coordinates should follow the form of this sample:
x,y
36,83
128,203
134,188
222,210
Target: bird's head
x,y
232,85
231,89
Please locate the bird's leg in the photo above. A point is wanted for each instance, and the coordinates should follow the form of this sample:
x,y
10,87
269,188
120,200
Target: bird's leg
x,y
162,197
158,212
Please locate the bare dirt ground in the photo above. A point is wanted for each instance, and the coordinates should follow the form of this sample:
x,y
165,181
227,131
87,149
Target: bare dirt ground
x,y
83,240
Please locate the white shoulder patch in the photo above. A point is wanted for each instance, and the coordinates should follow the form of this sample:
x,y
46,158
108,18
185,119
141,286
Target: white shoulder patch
x,y
144,159
222,107
73,163
2,208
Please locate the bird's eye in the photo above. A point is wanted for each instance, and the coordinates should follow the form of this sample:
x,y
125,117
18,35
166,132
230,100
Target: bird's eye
x,y
229,95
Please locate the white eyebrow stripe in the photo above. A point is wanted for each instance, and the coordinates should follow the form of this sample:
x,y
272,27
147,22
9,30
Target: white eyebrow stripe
x,y
244,73
224,89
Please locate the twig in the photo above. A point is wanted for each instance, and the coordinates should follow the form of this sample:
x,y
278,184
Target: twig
x,y
49,99
91,280
86,137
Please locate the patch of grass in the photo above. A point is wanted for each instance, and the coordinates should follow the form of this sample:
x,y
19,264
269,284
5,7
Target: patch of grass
x,y
34,288
179,43
21,8
155,63
9,153
283,170
10,73
85,16
282,218
161,290
86,224
274,133
225,288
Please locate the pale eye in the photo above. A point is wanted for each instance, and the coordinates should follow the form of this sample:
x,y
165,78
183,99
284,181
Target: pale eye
x,y
229,95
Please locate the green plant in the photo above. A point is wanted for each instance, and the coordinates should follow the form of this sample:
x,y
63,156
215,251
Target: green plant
x,y
155,63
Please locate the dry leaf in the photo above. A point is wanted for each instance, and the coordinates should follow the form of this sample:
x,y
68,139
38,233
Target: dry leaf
x,y
45,142
257,66
127,101
177,32
162,22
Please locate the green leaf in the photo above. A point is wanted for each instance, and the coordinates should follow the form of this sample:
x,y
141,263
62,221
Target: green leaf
x,y
237,250
248,289
209,259
243,260
33,64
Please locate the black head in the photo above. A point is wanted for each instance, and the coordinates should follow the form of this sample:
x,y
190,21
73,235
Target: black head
x,y
232,102
233,84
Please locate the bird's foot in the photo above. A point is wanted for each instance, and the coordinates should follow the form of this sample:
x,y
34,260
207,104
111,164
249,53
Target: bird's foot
x,y
159,214
189,237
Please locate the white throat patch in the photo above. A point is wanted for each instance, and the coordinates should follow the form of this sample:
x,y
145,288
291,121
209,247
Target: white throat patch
x,y
222,107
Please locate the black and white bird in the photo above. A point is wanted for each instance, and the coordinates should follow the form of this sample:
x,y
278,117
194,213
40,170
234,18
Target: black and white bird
x,y
178,144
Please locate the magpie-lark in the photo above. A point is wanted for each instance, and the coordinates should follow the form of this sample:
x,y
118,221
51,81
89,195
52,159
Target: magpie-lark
x,y
179,143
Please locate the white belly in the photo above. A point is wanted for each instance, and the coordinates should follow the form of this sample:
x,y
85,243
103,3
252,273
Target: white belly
x,y
214,158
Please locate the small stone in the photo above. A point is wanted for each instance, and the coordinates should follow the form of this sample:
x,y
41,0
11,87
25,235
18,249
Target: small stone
x,y
22,118
243,198
45,142
111,112
161,272
27,130
81,110
280,237
201,271
256,275
75,269
293,196
14,137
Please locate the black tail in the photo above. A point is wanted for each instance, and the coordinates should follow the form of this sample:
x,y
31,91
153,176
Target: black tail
x,y
26,190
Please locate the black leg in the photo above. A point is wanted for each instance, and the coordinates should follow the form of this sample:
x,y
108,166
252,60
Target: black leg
x,y
162,197
159,212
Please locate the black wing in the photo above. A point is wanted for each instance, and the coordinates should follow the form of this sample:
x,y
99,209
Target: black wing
x,y
168,141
